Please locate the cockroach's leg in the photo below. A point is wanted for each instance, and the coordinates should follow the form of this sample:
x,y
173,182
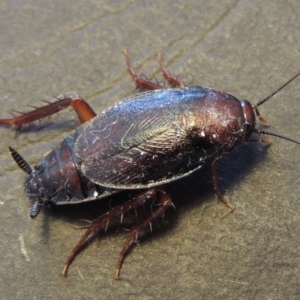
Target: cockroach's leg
x,y
164,203
83,110
102,221
140,82
81,107
217,190
173,80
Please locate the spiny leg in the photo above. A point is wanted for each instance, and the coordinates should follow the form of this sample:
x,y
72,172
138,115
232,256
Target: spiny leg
x,y
81,107
139,81
173,80
102,222
217,190
164,203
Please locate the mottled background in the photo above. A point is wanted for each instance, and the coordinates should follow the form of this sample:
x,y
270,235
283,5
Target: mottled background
x,y
247,48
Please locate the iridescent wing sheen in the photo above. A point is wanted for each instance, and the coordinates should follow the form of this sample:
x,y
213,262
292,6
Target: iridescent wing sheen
x,y
138,144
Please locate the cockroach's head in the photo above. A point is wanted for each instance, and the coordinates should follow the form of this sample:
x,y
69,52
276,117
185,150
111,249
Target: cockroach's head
x,y
249,117
250,111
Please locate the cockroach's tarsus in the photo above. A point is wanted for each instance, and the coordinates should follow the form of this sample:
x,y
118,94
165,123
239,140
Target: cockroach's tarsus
x,y
217,189
145,83
102,223
141,143
173,80
164,203
140,82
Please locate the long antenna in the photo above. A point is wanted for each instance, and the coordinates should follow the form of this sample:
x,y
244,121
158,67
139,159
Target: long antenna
x,y
259,131
275,92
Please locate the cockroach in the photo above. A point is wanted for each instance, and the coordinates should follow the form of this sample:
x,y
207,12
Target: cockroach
x,y
141,143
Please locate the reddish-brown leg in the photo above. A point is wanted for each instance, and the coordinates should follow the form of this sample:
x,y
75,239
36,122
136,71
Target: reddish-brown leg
x,y
164,203
140,81
217,190
173,80
102,222
81,107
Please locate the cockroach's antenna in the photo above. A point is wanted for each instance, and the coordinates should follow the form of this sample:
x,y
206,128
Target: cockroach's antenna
x,y
258,131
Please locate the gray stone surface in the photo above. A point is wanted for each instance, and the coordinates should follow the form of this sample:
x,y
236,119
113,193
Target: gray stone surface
x,y
247,48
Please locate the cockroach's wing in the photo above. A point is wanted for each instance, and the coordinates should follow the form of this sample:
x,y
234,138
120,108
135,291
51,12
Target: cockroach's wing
x,y
138,143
